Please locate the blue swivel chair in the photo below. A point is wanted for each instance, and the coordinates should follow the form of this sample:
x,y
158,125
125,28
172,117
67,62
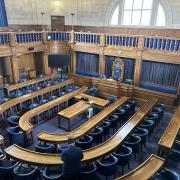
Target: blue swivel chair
x,y
153,117
33,106
106,127
97,134
68,90
3,100
16,136
127,108
22,80
166,174
43,101
52,173
28,91
92,92
85,143
159,111
53,97
44,148
13,120
133,142
37,88
61,148
19,93
149,125
107,166
113,119
88,172
143,133
175,153
62,94
123,153
112,99
121,113
74,88
160,106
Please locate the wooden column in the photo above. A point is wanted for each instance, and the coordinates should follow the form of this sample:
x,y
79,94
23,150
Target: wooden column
x,y
138,64
46,69
101,55
15,68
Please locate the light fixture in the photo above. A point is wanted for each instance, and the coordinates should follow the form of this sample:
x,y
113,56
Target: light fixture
x,y
72,14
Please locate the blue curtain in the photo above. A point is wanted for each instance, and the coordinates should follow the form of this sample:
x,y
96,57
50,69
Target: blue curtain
x,y
129,66
3,16
161,73
87,62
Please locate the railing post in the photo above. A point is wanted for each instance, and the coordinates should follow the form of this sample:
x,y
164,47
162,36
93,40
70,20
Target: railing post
x,y
72,40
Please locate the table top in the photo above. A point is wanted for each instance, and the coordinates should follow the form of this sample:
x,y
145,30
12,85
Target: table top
x,y
169,136
24,120
25,97
83,129
146,170
95,100
74,110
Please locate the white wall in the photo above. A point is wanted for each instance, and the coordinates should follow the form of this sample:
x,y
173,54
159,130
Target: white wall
x,y
87,12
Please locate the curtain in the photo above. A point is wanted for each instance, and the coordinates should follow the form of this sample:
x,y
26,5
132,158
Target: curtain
x,y
87,62
129,65
3,16
161,73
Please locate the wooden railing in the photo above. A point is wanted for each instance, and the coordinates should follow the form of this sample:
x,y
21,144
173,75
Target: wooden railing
x,y
58,36
30,37
4,39
121,40
89,38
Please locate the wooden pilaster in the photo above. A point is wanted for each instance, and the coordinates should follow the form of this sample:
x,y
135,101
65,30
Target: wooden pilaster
x,y
15,69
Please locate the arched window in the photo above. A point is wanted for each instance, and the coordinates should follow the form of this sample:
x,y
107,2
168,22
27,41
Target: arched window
x,y
138,13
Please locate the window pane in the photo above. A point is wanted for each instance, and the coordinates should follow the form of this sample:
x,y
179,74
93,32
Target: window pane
x,y
127,18
115,17
136,17
147,4
161,19
128,4
146,16
137,4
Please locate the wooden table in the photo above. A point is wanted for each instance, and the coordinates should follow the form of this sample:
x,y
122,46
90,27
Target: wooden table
x,y
146,170
85,128
167,140
28,83
19,100
31,157
71,112
97,101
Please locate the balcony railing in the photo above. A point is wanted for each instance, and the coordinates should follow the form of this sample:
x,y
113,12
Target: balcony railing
x,y
58,36
4,39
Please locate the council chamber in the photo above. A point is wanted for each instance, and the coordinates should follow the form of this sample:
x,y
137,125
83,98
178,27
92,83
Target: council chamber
x,y
89,90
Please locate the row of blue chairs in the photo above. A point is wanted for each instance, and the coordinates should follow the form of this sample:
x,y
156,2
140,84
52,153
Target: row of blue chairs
x,y
58,36
28,38
87,38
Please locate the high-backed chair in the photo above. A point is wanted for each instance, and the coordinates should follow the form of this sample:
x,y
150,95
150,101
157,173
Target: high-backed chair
x,y
85,143
52,173
133,141
166,174
44,148
13,120
113,119
107,165
88,172
97,134
123,153
16,136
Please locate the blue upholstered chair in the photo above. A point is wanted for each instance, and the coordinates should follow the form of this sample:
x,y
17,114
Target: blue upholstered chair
x,y
127,108
97,134
28,91
16,136
107,166
33,106
123,153
148,124
132,105
143,133
74,88
26,173
43,101
92,92
88,172
85,143
153,117
6,169
52,173
62,94
37,88
22,80
44,148
133,141
61,148
128,81
5,99
122,114
106,126
13,120
159,111
20,93
68,90
53,97
113,119
166,174
112,99
175,152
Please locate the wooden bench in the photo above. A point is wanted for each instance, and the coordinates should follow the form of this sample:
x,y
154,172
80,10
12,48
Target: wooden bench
x,y
167,140
31,157
85,128
24,121
146,170
19,100
28,83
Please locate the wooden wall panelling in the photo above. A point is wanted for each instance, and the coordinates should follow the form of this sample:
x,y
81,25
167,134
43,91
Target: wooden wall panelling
x,y
73,62
15,69
59,48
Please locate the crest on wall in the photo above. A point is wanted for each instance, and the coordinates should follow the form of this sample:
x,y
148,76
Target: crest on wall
x,y
118,69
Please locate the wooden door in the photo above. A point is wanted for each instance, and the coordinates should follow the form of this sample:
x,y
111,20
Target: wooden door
x,y
57,23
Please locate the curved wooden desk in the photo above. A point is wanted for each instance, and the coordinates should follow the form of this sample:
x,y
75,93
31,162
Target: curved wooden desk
x,y
146,170
24,120
30,82
8,105
167,140
85,128
31,157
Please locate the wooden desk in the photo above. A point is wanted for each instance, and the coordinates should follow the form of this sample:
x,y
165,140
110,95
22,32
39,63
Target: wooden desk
x,y
24,121
85,128
28,83
146,170
71,112
31,157
19,100
97,101
167,140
